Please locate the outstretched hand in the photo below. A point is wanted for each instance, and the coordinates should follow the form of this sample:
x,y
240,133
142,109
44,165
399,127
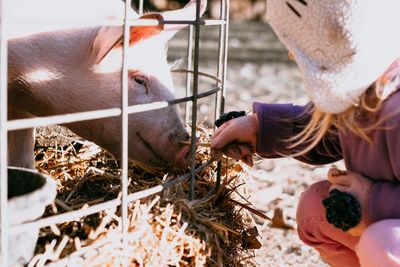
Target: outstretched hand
x,y
236,139
358,186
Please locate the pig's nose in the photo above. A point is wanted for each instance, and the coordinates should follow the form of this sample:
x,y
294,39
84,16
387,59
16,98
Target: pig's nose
x,y
182,156
183,136
186,136
178,136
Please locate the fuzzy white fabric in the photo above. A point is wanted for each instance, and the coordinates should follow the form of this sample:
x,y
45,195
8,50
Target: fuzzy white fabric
x,y
341,46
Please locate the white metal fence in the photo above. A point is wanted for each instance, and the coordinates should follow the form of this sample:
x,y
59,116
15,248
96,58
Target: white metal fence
x,y
123,111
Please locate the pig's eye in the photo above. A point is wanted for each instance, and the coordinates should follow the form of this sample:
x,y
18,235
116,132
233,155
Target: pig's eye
x,y
140,80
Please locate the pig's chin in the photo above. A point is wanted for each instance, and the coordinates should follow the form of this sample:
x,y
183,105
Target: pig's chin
x,y
177,157
146,154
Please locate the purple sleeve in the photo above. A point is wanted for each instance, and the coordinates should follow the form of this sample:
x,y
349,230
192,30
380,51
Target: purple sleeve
x,y
278,123
384,202
385,197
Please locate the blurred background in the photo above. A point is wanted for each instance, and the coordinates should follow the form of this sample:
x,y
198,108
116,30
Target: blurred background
x,y
240,9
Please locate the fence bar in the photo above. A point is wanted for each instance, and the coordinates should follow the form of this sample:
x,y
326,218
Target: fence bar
x,y
98,114
3,139
222,56
159,188
219,98
188,74
216,79
119,22
222,67
62,119
140,7
194,100
225,63
190,98
65,217
124,129
111,204
154,22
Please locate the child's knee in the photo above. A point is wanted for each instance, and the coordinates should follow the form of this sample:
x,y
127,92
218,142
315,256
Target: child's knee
x,y
379,244
310,206
334,245
310,215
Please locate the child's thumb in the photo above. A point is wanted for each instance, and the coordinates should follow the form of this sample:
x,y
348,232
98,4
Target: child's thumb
x,y
338,177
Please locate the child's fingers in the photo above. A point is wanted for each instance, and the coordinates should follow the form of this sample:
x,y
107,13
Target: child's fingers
x,y
336,172
237,150
236,130
246,154
224,135
233,152
245,149
248,160
338,177
216,154
341,188
339,180
221,129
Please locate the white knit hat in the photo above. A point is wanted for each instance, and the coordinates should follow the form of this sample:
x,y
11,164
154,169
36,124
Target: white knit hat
x,y
341,46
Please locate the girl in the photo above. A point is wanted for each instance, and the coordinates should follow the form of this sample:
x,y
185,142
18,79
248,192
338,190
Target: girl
x,y
346,51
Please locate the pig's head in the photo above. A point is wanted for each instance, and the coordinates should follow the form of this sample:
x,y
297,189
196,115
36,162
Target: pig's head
x,y
154,136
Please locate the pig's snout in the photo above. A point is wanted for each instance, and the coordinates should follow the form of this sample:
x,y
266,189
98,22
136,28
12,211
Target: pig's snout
x,y
179,136
182,156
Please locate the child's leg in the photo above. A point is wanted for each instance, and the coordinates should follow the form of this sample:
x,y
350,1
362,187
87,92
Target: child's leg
x,y
380,244
335,246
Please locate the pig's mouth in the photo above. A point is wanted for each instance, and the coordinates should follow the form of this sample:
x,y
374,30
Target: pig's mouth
x,y
159,159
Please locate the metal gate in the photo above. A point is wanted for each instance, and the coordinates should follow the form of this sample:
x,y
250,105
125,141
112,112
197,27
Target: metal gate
x,y
192,96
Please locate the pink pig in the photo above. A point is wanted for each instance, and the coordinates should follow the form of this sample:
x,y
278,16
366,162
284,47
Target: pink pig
x,y
68,64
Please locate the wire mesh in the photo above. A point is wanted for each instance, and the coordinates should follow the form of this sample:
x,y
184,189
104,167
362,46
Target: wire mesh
x,y
192,96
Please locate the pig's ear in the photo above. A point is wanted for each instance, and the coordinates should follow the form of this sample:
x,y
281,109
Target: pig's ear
x,y
109,38
139,33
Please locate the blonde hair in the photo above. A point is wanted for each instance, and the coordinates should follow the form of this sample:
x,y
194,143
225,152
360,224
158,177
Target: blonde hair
x,y
359,119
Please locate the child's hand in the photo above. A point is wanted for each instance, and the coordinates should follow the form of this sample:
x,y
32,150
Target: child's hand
x,y
236,138
360,187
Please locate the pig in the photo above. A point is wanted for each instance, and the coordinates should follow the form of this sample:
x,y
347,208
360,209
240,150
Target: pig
x,y
71,63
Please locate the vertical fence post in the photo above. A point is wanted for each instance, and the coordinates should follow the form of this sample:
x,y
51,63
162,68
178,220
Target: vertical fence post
x,y
194,100
224,61
3,138
222,68
189,75
124,129
140,7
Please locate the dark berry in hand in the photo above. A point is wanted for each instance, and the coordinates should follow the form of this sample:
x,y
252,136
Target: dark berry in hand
x,y
342,209
229,116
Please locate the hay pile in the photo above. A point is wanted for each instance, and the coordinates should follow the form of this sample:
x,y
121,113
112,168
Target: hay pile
x,y
164,230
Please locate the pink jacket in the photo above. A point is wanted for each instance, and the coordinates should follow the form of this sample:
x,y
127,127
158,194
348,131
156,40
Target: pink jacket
x,y
379,161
